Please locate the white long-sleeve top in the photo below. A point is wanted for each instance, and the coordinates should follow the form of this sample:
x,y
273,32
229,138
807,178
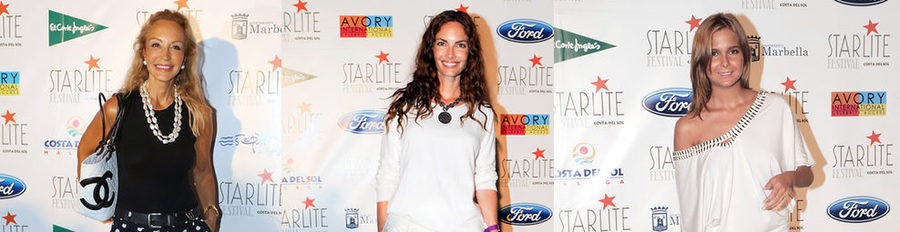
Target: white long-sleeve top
x,y
429,174
720,181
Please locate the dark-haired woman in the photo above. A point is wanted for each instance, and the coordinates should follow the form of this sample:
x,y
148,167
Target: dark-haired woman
x,y
437,168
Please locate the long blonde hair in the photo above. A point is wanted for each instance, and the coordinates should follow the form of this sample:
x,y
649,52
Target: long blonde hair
x,y
702,51
190,85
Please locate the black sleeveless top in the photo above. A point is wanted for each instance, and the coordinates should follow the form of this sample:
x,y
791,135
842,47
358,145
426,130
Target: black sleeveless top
x,y
154,177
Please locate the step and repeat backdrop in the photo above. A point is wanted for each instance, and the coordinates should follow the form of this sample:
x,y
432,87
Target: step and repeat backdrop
x,y
586,93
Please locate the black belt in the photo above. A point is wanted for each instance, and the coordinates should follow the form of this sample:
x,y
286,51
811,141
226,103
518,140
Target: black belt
x,y
159,220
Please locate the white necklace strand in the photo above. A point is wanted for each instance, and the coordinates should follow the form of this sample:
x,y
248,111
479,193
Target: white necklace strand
x,y
151,116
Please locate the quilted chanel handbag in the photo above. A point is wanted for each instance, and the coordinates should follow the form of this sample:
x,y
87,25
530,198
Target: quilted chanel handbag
x,y
99,183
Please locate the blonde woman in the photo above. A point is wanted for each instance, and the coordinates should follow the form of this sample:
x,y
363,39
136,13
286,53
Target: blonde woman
x,y
166,179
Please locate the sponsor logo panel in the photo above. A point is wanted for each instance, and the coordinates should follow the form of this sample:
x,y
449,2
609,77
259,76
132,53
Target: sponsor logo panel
x,y
525,214
9,83
11,186
858,209
525,31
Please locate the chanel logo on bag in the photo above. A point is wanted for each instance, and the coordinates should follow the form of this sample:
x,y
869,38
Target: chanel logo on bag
x,y
102,194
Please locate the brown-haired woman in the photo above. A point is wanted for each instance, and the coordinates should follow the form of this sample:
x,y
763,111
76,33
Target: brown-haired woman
x,y
438,152
166,179
739,154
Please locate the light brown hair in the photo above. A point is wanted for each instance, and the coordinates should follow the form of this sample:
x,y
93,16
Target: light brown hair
x,y
702,52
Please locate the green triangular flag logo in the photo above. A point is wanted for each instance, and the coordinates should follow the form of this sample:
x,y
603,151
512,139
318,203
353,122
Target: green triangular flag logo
x,y
61,229
570,45
63,28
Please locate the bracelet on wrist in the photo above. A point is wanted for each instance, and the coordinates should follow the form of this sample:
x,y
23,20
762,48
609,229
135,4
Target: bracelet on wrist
x,y
492,228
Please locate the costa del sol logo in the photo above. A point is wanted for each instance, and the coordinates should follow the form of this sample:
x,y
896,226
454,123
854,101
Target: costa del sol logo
x,y
858,209
525,31
862,103
867,48
9,83
861,2
669,102
11,186
523,78
63,27
524,124
75,127
525,214
363,122
367,26
771,4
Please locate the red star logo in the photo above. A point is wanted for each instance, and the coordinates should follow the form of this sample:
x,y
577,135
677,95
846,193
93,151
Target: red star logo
x,y
304,107
181,3
309,202
92,63
382,57
9,117
265,175
694,22
276,63
301,6
600,83
538,153
788,84
607,201
10,218
874,137
535,60
462,8
3,8
871,27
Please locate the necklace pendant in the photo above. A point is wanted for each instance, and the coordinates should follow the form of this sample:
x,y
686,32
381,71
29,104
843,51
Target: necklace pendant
x,y
444,117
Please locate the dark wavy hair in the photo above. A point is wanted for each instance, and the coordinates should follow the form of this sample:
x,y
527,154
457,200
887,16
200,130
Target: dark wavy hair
x,y
416,97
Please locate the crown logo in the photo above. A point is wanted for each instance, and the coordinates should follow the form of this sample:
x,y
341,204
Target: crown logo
x,y
352,210
659,209
753,37
240,16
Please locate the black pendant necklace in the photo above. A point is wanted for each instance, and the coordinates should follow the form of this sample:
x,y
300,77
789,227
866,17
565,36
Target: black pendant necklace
x,y
445,117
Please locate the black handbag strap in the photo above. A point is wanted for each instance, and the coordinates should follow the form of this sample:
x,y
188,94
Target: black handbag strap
x,y
110,138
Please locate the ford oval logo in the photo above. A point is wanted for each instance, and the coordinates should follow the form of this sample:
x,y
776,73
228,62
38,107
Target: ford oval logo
x,y
861,2
670,102
10,186
858,209
525,31
525,214
363,122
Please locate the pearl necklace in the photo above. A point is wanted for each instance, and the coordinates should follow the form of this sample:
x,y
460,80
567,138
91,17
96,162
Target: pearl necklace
x,y
151,116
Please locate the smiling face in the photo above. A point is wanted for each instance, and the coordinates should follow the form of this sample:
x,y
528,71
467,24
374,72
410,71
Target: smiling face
x,y
451,50
164,50
726,61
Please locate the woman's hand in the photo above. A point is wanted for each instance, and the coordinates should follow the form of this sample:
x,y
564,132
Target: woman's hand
x,y
782,191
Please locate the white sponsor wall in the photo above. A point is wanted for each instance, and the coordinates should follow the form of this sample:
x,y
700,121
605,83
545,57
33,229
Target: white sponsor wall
x,y
300,91
300,88
809,51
